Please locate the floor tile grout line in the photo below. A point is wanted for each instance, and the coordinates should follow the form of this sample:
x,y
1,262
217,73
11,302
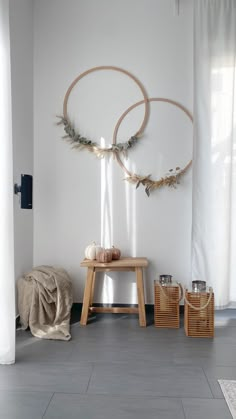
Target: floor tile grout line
x,y
126,396
138,395
93,367
48,405
182,404
208,383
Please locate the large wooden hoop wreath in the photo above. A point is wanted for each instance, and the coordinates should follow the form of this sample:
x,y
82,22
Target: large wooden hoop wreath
x,y
174,175
78,141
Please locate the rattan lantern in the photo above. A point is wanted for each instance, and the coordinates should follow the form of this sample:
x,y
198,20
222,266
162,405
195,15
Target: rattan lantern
x,y
167,296
199,313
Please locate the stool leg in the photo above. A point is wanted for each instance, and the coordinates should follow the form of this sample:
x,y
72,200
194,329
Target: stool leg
x,y
140,291
87,296
92,289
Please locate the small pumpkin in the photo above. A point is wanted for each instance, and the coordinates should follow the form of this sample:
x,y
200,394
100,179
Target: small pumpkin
x,y
104,256
92,250
98,250
116,253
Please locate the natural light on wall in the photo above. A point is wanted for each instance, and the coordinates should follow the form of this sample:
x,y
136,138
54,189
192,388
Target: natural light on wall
x,y
106,221
131,222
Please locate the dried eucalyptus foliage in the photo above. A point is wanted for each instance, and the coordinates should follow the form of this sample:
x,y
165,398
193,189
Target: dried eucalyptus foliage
x,y
79,142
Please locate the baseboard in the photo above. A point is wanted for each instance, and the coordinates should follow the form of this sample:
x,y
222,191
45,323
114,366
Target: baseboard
x,y
149,307
78,306
77,309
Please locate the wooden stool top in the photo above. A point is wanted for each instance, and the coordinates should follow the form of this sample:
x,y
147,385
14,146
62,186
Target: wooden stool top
x,y
126,262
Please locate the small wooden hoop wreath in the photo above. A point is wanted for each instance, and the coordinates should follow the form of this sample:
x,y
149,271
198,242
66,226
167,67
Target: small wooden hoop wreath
x,y
149,184
92,146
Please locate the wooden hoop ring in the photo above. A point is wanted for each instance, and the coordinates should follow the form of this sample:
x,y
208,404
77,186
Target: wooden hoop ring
x,y
109,67
153,99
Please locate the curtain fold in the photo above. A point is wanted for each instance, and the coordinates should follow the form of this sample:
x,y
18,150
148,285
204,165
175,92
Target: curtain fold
x,y
7,277
214,151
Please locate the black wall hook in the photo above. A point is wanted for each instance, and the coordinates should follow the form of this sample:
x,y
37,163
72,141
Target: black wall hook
x,y
26,191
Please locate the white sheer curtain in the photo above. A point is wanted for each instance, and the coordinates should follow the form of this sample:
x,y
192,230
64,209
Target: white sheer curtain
x,y
214,156
7,283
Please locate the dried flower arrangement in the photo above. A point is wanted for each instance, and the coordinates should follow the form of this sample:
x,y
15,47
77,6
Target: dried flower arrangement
x,y
171,180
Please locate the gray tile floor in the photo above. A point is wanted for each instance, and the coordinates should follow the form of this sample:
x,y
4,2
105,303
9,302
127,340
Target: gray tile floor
x,y
113,369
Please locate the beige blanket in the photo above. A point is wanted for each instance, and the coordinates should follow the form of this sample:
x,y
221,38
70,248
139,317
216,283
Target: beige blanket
x,y
44,302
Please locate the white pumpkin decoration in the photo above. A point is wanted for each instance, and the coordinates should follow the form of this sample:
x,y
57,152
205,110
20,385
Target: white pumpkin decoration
x,y
92,251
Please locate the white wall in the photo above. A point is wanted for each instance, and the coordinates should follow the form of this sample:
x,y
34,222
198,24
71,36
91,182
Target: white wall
x,y
21,33
79,198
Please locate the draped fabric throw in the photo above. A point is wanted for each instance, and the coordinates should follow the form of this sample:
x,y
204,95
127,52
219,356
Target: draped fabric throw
x,y
44,302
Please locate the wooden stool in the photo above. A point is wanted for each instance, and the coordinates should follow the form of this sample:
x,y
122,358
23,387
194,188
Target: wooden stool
x,y
124,264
